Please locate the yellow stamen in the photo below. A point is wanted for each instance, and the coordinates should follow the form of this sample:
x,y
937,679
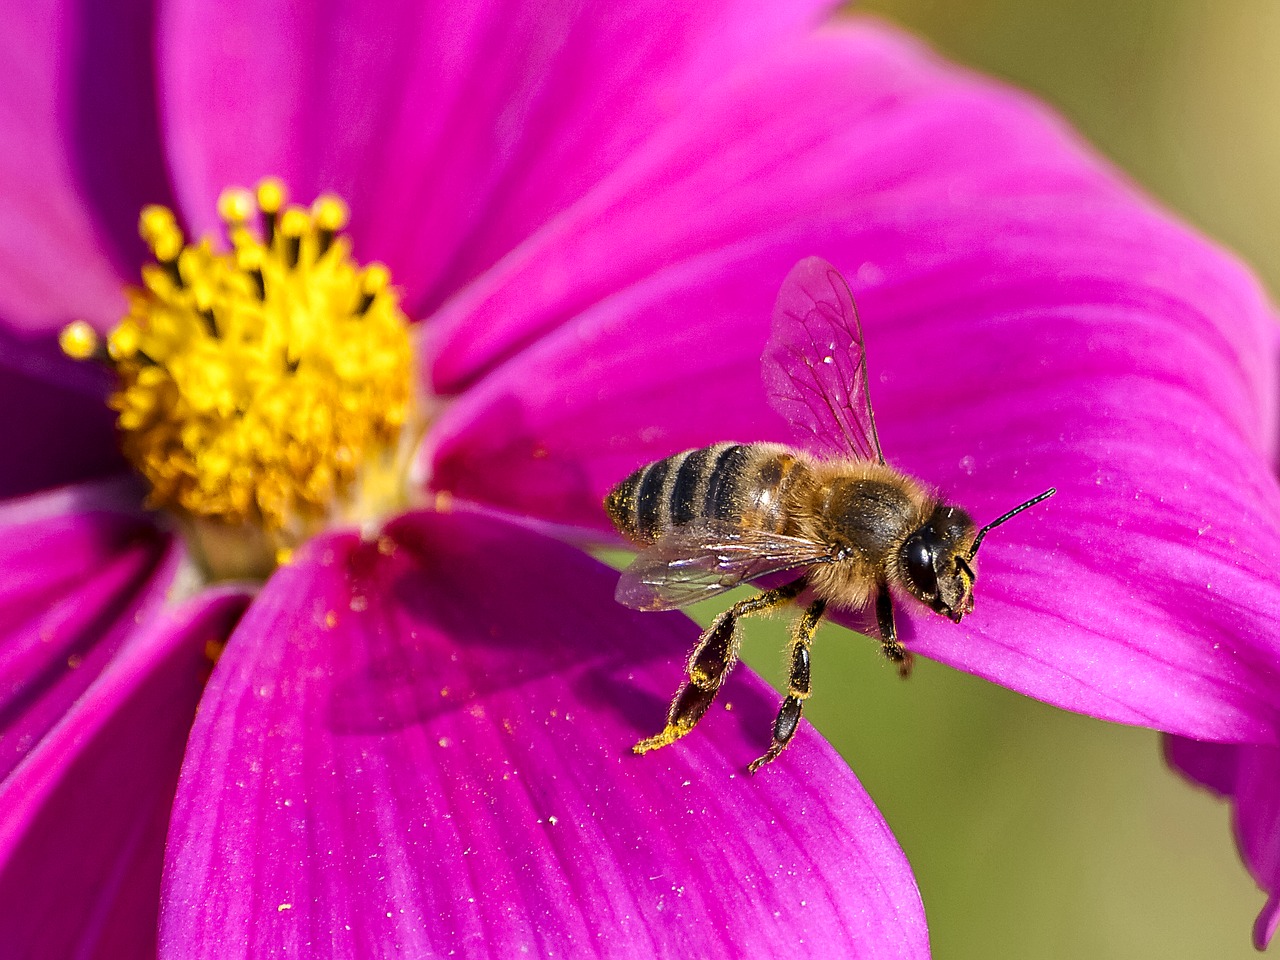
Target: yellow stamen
x,y
267,389
271,195
330,213
235,206
160,230
79,340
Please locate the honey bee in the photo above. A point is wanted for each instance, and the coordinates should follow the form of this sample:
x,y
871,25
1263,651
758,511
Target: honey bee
x,y
861,531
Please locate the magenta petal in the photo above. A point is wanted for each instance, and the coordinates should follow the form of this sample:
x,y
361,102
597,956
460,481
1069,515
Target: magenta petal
x,y
56,428
1257,799
452,129
1258,831
666,365
851,119
72,587
1264,928
420,746
86,813
1215,766
80,157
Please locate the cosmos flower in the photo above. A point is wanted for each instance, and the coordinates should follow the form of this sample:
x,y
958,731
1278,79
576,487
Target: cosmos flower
x,y
415,734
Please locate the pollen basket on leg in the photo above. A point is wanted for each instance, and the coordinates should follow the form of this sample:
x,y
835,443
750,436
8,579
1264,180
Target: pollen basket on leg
x,y
267,385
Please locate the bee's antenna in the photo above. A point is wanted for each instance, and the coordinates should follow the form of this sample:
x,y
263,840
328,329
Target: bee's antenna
x,y
977,541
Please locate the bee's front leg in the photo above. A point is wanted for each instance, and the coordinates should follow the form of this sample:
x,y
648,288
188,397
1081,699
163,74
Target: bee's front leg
x,y
798,685
712,658
893,648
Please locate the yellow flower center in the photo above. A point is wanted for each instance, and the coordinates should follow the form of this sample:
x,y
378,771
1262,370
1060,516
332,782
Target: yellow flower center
x,y
264,392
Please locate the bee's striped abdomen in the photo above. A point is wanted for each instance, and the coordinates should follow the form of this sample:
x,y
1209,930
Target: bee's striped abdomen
x,y
665,494
731,482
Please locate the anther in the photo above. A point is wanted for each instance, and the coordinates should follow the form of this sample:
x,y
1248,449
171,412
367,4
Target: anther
x,y
204,310
173,269
373,282
155,222
249,260
293,225
330,215
124,341
161,232
235,207
242,237
168,250
80,341
271,197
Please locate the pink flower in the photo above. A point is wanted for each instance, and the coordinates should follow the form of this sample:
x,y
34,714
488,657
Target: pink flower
x,y
418,741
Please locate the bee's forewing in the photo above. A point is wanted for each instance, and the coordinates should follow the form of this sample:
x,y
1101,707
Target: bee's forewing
x,y
815,365
692,564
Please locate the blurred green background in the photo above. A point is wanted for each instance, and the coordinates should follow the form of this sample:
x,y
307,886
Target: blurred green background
x,y
1035,833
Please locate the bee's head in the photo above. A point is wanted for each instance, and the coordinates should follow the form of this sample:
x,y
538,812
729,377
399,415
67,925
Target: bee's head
x,y
939,559
937,562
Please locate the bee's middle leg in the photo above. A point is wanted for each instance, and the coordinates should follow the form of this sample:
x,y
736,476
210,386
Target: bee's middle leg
x,y
889,642
784,727
710,662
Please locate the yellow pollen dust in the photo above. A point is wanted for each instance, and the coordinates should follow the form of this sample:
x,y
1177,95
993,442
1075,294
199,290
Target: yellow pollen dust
x,y
259,386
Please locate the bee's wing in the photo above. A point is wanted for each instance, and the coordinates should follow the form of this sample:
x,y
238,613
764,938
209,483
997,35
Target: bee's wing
x,y
815,365
694,563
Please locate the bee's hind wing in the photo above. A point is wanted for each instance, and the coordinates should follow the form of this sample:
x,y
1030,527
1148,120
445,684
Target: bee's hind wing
x,y
698,562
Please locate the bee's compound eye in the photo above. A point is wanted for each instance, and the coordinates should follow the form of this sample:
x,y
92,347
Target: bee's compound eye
x,y
918,554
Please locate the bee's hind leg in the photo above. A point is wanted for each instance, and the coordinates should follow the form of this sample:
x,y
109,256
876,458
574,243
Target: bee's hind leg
x,y
893,648
712,658
784,727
